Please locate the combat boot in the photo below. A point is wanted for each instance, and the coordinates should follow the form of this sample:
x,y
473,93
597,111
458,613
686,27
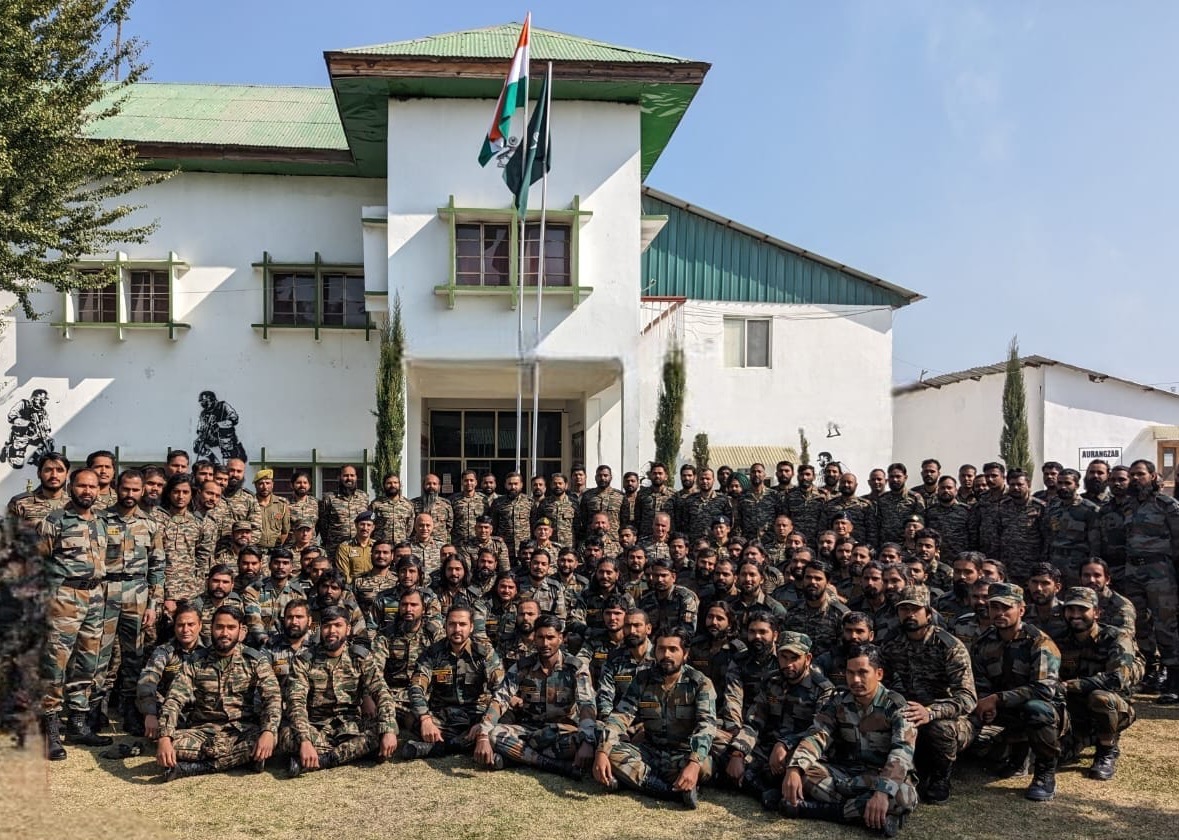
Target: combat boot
x,y
78,731
810,810
1043,786
1105,763
662,790
187,768
132,720
411,749
1017,763
51,727
560,768
1169,693
937,790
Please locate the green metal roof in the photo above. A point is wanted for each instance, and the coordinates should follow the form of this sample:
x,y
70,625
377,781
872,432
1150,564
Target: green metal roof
x,y
702,256
500,41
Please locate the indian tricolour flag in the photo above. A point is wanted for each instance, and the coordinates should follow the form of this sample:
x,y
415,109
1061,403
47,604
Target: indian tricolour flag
x,y
513,96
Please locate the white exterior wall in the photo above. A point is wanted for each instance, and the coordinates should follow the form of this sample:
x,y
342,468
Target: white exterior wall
x,y
829,364
140,394
961,423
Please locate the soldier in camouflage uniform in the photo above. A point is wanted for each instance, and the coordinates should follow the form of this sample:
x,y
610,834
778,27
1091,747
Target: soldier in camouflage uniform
x,y
560,510
819,615
949,517
275,511
74,545
657,498
1116,609
855,763
551,701
861,513
1044,610
1022,528
304,506
241,502
102,463
468,507
667,605
30,508
805,504
637,652
542,587
266,600
931,669
515,643
398,645
782,711
747,672
134,589
512,513
392,513
1017,674
1111,522
450,687
599,643
229,701
604,499
182,532
323,700
895,506
1152,549
1073,533
291,644
438,507
983,524
754,511
164,664
700,510
586,612
968,626
481,539
1099,667
338,511
676,706
368,586
218,593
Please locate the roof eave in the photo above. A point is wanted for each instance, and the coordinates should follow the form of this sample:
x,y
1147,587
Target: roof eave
x,y
345,64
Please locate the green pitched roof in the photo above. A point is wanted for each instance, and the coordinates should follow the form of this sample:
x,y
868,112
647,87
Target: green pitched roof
x,y
498,42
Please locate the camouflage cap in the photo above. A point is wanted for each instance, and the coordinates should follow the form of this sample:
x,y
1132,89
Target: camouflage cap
x,y
799,643
914,594
243,525
1005,593
1079,596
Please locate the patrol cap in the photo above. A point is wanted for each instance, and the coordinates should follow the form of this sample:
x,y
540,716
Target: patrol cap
x,y
544,520
799,643
914,594
261,475
484,520
243,525
302,523
1005,593
1079,596
721,520
363,516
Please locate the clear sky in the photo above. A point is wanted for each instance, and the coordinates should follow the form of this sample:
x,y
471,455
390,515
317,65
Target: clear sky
x,y
1012,161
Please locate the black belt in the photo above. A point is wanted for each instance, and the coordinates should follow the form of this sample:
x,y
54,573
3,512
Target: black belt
x,y
82,583
122,576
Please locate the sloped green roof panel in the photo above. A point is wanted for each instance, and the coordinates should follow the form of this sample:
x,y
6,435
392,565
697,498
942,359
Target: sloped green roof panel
x,y
701,256
500,42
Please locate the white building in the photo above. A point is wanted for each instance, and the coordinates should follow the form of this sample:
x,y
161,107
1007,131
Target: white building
x,y
1074,415
297,214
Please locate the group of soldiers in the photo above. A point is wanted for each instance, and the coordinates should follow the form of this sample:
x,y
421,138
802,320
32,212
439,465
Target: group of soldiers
x,y
828,653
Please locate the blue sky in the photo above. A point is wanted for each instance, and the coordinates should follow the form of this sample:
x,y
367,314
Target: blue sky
x,y
1012,161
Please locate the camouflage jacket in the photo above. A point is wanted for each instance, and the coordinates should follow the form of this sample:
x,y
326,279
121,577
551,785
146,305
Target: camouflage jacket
x,y
325,689
243,505
617,675
283,656
563,695
713,660
1053,623
305,509
367,587
1106,659
443,679
933,671
392,518
983,524
595,650
205,605
966,629
679,719
762,603
782,711
861,512
337,518
754,513
466,509
874,739
1152,527
184,539
548,593
1022,535
513,519
628,512
1072,533
73,547
494,618
745,677
1026,668
805,508
952,521
562,512
158,675
265,602
442,513
653,500
892,509
821,623
606,500
397,649
699,509
471,548
1117,610
1111,528
586,612
678,609
30,508
214,690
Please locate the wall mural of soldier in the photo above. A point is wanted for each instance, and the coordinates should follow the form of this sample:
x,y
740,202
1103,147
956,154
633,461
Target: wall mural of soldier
x,y
29,433
216,436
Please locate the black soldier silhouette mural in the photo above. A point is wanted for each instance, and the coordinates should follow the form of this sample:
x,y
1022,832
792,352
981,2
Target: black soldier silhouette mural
x,y
216,435
29,431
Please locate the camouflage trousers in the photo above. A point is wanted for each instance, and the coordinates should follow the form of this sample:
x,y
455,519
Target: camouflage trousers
x,y
939,741
851,788
1101,713
632,763
529,744
1151,588
222,745
455,724
123,652
1037,722
720,744
72,657
347,740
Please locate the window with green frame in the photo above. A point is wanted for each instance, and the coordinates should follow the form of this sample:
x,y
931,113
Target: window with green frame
x,y
315,295
138,295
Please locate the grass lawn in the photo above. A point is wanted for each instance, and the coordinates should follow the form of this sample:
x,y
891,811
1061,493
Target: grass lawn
x,y
89,797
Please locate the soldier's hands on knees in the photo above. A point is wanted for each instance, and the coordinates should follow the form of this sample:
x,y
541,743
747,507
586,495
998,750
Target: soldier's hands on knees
x,y
264,748
987,708
388,745
603,772
689,777
778,759
165,753
308,756
151,726
483,752
431,734
915,713
736,767
876,810
584,757
792,786
471,734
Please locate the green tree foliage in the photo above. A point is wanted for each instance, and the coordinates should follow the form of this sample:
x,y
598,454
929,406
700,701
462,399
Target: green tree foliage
x,y
59,191
669,423
390,411
700,454
1014,442
804,447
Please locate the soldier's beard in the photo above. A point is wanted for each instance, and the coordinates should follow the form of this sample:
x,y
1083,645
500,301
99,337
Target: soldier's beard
x,y
1094,486
962,590
293,634
233,485
633,640
667,667
524,626
484,575
716,633
428,499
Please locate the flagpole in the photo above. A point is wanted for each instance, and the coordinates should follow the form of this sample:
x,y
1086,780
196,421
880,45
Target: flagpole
x,y
544,196
520,302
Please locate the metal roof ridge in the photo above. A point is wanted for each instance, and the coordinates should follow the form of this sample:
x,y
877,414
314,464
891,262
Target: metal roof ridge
x,y
1033,360
158,82
910,295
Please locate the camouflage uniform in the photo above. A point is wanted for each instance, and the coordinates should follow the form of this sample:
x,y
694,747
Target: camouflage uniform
x,y
1053,624
713,660
396,651
850,753
366,588
30,508
606,500
493,619
805,509
966,629
653,500
1022,533
226,703
306,510
182,535
617,675
265,602
893,509
821,623
443,515
323,698
762,603
754,513
678,609
337,518
1117,610
243,506
204,604
552,713
159,673
471,548
1111,528
780,713
1025,673
276,521
512,520
392,518
952,521
628,513
699,510
1152,548
562,512
595,650
678,727
983,524
743,680
454,689
586,612
465,510
935,672
1072,536
283,656
861,512
548,593
1098,675
106,500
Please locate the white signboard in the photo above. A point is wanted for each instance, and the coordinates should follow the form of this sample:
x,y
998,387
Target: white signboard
x,y
1112,454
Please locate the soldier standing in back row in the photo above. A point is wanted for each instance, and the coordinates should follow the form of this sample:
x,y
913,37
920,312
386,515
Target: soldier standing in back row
x,y
338,511
603,499
895,506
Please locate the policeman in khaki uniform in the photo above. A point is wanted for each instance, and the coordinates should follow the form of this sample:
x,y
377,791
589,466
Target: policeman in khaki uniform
x,y
275,511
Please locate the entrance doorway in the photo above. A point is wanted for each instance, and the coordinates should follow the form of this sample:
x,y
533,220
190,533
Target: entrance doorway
x,y
484,440
1168,457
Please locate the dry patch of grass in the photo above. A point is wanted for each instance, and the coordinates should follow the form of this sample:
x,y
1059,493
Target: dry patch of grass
x,y
450,800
